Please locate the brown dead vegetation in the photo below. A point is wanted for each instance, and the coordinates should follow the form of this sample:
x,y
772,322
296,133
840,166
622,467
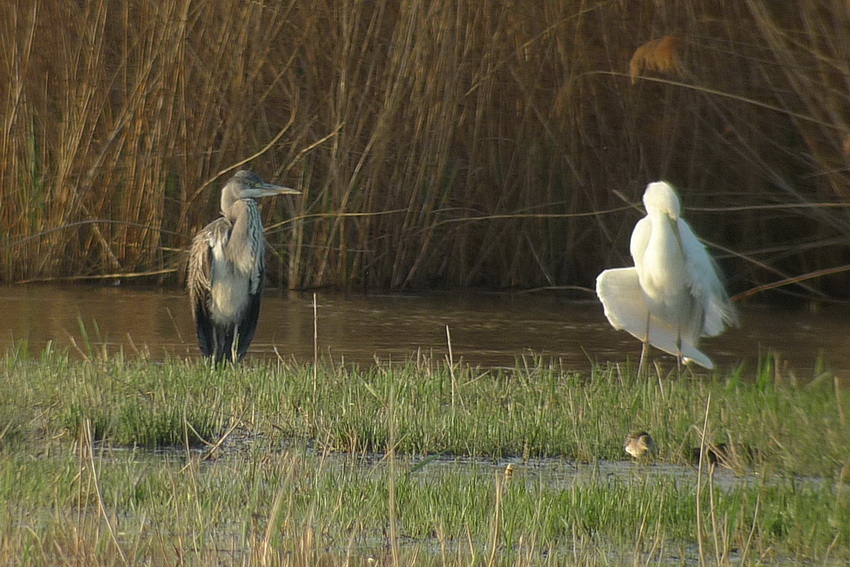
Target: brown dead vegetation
x,y
662,55
438,144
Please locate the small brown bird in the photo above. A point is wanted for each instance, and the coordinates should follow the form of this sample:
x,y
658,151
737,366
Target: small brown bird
x,y
729,455
639,445
714,454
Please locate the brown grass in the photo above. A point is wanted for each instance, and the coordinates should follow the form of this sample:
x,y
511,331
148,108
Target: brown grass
x,y
437,143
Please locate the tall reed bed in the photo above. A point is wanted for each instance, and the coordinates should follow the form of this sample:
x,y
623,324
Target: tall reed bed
x,y
437,143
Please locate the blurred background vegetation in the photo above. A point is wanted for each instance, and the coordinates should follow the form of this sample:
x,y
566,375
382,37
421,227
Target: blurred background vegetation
x,y
438,143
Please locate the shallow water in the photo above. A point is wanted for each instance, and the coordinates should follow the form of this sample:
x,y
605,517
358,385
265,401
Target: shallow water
x,y
486,329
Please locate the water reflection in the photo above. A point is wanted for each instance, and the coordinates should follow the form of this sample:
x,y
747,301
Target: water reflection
x,y
488,329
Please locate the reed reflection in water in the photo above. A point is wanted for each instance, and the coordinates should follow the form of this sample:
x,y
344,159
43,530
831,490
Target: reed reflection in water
x,y
487,329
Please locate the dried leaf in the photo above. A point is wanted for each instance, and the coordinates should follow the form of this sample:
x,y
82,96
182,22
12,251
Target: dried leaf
x,y
662,55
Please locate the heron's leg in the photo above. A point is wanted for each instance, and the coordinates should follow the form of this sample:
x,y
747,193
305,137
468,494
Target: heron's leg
x,y
679,351
215,355
234,346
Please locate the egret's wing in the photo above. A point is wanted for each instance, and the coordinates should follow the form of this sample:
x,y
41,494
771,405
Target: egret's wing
x,y
640,240
619,291
625,307
705,284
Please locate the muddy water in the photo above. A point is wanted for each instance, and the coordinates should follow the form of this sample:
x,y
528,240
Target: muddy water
x,y
487,329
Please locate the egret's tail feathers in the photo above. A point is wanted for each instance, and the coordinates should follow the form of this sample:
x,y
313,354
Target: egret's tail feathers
x,y
719,314
702,360
626,309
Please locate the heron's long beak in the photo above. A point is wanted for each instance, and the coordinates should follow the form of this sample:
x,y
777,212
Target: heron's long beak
x,y
269,190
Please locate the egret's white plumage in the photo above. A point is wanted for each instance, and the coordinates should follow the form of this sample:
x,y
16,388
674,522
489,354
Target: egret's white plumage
x,y
673,294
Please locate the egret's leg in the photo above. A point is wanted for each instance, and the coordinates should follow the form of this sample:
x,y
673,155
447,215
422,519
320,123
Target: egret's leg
x,y
645,347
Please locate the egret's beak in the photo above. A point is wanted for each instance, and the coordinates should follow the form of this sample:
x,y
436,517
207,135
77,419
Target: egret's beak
x,y
263,189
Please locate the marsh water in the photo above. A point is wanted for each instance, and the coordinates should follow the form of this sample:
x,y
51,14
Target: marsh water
x,y
484,329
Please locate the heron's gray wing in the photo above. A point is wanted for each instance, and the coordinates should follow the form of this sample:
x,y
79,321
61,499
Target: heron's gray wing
x,y
200,283
248,322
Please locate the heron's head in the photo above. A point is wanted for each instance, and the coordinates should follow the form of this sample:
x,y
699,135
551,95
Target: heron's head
x,y
247,185
661,197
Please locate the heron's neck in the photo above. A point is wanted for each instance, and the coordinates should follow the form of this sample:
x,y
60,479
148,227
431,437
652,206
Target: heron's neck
x,y
227,205
246,243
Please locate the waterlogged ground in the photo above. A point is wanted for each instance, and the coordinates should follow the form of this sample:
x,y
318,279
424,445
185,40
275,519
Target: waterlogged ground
x,y
281,464
345,495
307,507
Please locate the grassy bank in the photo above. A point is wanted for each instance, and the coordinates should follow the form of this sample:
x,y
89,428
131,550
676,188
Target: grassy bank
x,y
111,462
437,143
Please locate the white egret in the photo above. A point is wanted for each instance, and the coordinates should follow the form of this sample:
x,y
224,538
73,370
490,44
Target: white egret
x,y
673,294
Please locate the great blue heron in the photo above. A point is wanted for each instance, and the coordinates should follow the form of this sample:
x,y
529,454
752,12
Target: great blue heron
x,y
226,265
673,295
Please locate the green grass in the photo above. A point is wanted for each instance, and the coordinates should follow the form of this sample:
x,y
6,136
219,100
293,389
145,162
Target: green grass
x,y
535,410
273,464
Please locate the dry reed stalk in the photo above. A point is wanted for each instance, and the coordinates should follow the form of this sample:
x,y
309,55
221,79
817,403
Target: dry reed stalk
x,y
438,144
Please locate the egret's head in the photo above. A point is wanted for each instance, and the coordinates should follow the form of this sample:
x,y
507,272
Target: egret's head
x,y
661,197
247,185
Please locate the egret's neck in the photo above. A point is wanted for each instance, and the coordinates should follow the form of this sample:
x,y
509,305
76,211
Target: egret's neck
x,y
663,255
661,215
